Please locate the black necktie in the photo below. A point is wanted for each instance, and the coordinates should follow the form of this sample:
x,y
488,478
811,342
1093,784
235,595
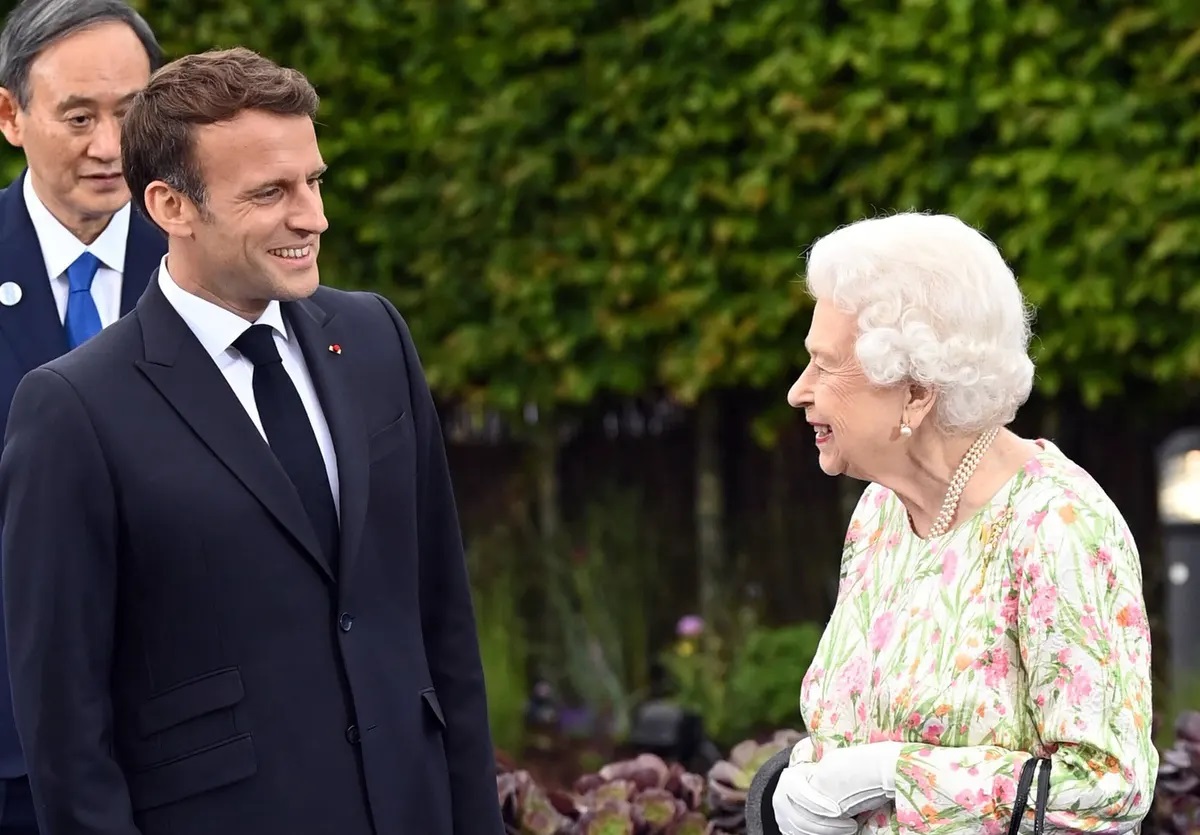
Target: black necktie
x,y
290,434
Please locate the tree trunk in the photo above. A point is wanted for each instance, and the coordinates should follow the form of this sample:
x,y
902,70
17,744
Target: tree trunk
x,y
1051,422
545,470
546,582
710,507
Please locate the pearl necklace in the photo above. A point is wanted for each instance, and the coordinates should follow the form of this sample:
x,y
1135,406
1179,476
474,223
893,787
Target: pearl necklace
x,y
958,482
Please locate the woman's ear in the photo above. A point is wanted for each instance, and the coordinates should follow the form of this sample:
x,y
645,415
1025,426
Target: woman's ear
x,y
918,403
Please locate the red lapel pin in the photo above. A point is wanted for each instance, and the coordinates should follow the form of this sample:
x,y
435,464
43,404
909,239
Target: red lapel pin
x,y
335,348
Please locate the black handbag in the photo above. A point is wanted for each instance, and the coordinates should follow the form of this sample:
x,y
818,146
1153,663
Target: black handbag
x,y
1021,801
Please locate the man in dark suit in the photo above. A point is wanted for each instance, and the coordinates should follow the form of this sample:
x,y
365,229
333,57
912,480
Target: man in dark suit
x,y
73,255
237,600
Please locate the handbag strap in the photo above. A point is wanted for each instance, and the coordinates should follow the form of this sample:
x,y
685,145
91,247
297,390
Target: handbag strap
x,y
1021,801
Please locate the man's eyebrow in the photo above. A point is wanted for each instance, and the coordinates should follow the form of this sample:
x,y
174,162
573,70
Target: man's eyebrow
x,y
281,182
72,102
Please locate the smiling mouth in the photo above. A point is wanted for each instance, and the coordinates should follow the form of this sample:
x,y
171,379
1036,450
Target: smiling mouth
x,y
292,252
823,431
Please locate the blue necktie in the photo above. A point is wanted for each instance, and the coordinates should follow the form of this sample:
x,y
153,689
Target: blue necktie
x,y
82,319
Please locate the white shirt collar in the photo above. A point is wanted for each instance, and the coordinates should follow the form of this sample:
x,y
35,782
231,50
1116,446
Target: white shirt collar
x,y
59,245
213,325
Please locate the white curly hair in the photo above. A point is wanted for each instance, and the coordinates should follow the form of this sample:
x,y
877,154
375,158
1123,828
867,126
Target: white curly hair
x,y
937,305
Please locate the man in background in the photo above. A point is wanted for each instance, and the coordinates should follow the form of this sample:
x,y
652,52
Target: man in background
x,y
235,594
73,255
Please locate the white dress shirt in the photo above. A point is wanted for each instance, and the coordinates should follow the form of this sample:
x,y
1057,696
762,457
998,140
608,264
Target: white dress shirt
x,y
217,329
60,248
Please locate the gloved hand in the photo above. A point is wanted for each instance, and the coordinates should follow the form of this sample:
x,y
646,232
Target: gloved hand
x,y
822,798
802,810
858,778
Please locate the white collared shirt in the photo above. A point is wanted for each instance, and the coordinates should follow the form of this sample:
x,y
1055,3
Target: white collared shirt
x,y
60,248
217,329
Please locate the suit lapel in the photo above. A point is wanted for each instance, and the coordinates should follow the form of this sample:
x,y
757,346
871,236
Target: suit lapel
x,y
186,376
144,249
31,325
316,331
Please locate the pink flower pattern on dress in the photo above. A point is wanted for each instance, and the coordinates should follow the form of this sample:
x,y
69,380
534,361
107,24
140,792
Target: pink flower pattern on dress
x,y
978,663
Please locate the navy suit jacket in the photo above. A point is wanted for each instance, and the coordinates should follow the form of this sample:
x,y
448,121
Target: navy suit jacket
x,y
32,334
185,660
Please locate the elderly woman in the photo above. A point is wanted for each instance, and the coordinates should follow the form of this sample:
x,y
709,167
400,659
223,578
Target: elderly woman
x,y
990,609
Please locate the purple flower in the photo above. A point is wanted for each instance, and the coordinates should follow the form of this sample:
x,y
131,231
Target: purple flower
x,y
689,626
576,721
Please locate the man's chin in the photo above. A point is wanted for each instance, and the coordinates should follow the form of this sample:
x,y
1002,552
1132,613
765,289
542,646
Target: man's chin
x,y
103,206
299,285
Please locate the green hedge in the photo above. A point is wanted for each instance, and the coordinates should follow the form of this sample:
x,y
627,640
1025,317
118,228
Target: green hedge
x,y
572,198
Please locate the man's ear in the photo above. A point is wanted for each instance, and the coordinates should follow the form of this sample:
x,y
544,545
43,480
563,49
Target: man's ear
x,y
918,404
171,211
10,117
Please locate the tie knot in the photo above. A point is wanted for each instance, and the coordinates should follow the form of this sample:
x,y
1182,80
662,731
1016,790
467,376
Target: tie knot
x,y
257,344
82,271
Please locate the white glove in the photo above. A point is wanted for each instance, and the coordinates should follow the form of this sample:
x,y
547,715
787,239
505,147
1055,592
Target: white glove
x,y
801,810
858,779
823,798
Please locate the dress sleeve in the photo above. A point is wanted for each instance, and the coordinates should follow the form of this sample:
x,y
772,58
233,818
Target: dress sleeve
x,y
1076,611
802,752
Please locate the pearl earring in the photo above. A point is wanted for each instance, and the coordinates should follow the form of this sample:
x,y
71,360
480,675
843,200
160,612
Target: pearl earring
x,y
905,430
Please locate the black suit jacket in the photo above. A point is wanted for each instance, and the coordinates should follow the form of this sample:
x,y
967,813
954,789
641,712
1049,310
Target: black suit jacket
x,y
31,334
30,331
183,660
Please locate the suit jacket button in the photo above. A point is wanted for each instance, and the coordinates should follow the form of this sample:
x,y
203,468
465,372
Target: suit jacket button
x,y
352,734
346,621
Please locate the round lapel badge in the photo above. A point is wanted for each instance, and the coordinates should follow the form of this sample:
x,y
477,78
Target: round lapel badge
x,y
10,293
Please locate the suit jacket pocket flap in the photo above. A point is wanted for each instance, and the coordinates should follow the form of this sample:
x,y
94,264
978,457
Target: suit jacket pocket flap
x,y
210,768
431,699
212,691
390,438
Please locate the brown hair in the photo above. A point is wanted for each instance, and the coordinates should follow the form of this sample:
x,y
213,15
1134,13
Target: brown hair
x,y
158,133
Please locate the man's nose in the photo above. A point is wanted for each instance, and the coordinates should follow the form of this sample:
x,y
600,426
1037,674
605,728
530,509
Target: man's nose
x,y
105,144
310,213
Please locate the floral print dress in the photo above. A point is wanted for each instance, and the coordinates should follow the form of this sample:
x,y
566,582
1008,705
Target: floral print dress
x,y
1020,632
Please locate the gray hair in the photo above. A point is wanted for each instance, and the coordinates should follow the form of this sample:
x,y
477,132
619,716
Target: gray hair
x,y
936,304
34,25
